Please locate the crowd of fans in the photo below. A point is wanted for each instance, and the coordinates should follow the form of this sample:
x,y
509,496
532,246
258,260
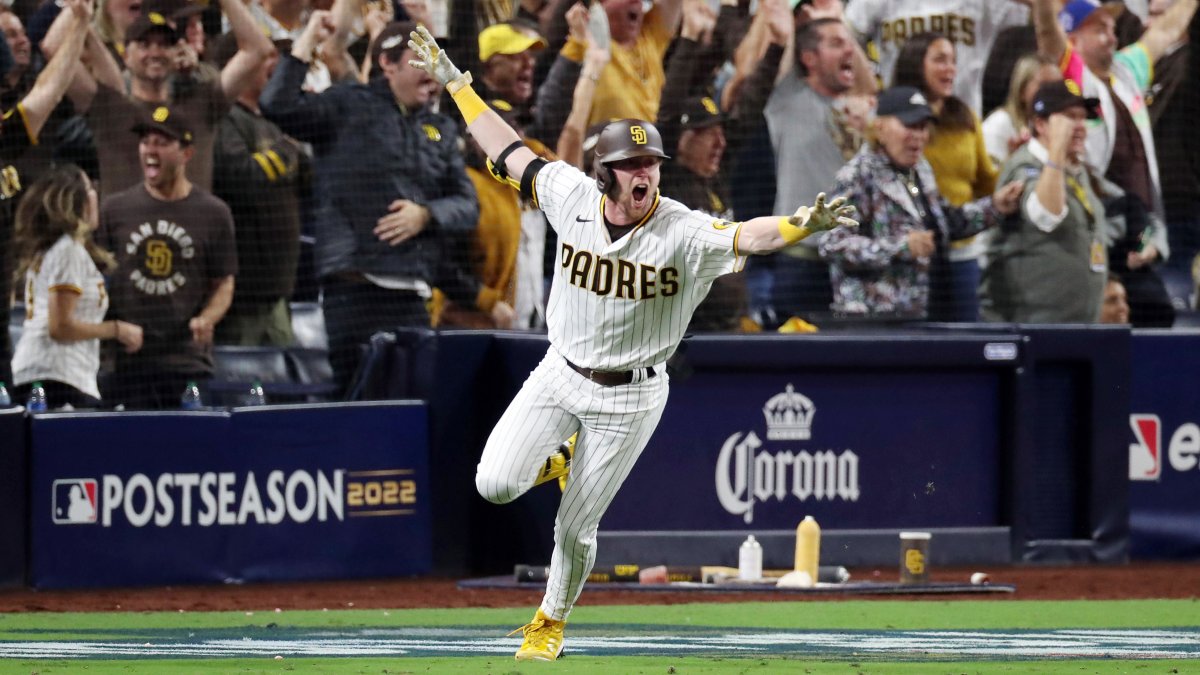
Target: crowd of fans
x,y
164,161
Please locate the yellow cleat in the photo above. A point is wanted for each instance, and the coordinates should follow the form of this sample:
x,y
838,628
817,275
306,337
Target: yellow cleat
x,y
570,446
558,465
543,639
797,325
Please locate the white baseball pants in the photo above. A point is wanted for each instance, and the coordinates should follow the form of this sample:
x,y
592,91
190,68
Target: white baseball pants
x,y
614,424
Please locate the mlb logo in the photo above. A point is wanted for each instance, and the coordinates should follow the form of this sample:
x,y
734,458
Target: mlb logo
x,y
74,501
1145,454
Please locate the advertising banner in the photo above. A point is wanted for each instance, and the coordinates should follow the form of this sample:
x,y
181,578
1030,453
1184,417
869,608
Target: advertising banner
x,y
13,521
869,449
1164,446
257,494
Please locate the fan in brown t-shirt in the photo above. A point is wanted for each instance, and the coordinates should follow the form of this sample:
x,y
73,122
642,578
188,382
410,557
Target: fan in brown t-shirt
x,y
176,261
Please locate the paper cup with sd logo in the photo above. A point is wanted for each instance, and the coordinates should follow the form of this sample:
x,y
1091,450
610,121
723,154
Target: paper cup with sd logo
x,y
914,557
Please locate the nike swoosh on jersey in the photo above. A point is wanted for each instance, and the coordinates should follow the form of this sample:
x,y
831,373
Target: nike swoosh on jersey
x,y
580,219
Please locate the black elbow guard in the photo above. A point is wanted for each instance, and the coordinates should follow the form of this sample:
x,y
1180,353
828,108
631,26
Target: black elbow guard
x,y
527,178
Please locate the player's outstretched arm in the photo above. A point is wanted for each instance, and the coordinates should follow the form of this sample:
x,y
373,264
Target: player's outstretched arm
x,y
491,132
771,233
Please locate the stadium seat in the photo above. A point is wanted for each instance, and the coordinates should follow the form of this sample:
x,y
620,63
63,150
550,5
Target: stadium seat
x,y
236,368
308,325
1180,287
1187,319
312,373
396,364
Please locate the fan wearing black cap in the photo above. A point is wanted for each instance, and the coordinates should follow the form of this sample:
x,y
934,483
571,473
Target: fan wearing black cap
x,y
390,185
1049,264
883,268
1080,37
176,278
697,127
1121,147
152,53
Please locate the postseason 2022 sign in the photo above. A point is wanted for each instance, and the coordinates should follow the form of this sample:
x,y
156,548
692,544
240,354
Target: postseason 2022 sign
x,y
256,494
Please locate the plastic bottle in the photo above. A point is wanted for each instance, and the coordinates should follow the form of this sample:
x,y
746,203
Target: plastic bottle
x,y
256,396
808,547
190,400
37,398
5,399
750,560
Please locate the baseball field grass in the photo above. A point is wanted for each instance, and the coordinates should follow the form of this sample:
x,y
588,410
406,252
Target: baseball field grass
x,y
953,636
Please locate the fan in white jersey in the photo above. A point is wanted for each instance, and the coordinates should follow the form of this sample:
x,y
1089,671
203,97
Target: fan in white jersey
x,y
972,25
65,300
631,268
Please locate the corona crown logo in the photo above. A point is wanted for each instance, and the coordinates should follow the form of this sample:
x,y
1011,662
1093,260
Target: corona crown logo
x,y
789,416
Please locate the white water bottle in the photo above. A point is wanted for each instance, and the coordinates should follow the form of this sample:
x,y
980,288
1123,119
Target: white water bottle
x,y
750,560
37,398
190,400
256,395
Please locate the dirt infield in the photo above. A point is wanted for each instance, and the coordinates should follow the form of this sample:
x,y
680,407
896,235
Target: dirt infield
x,y
1159,580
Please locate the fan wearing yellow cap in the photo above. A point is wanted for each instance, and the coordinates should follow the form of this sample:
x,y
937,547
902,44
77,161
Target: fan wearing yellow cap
x,y
507,52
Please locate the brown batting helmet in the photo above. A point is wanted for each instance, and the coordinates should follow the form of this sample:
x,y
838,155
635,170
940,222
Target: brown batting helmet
x,y
623,139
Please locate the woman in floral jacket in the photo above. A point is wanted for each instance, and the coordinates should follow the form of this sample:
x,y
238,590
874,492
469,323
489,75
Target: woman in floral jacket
x,y
883,266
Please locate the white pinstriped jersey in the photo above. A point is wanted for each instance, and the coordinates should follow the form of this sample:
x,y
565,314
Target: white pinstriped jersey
x,y
65,266
626,304
972,25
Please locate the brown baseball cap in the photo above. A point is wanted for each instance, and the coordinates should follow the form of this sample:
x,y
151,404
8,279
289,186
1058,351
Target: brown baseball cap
x,y
164,121
148,22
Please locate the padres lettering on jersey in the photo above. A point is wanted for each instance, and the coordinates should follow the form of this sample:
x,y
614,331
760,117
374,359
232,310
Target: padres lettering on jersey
x,y
958,29
621,279
972,25
625,304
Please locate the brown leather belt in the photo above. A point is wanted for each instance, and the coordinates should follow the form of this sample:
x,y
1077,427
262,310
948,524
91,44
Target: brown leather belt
x,y
610,378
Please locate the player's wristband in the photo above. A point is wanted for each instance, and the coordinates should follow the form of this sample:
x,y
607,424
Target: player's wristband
x,y
469,103
791,233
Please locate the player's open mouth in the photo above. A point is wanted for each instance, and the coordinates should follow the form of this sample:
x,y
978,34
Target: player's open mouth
x,y
640,192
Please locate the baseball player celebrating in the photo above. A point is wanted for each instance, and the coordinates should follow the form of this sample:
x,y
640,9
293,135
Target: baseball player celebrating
x,y
631,268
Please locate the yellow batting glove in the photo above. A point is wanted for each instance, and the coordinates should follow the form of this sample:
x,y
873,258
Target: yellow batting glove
x,y
820,217
433,60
